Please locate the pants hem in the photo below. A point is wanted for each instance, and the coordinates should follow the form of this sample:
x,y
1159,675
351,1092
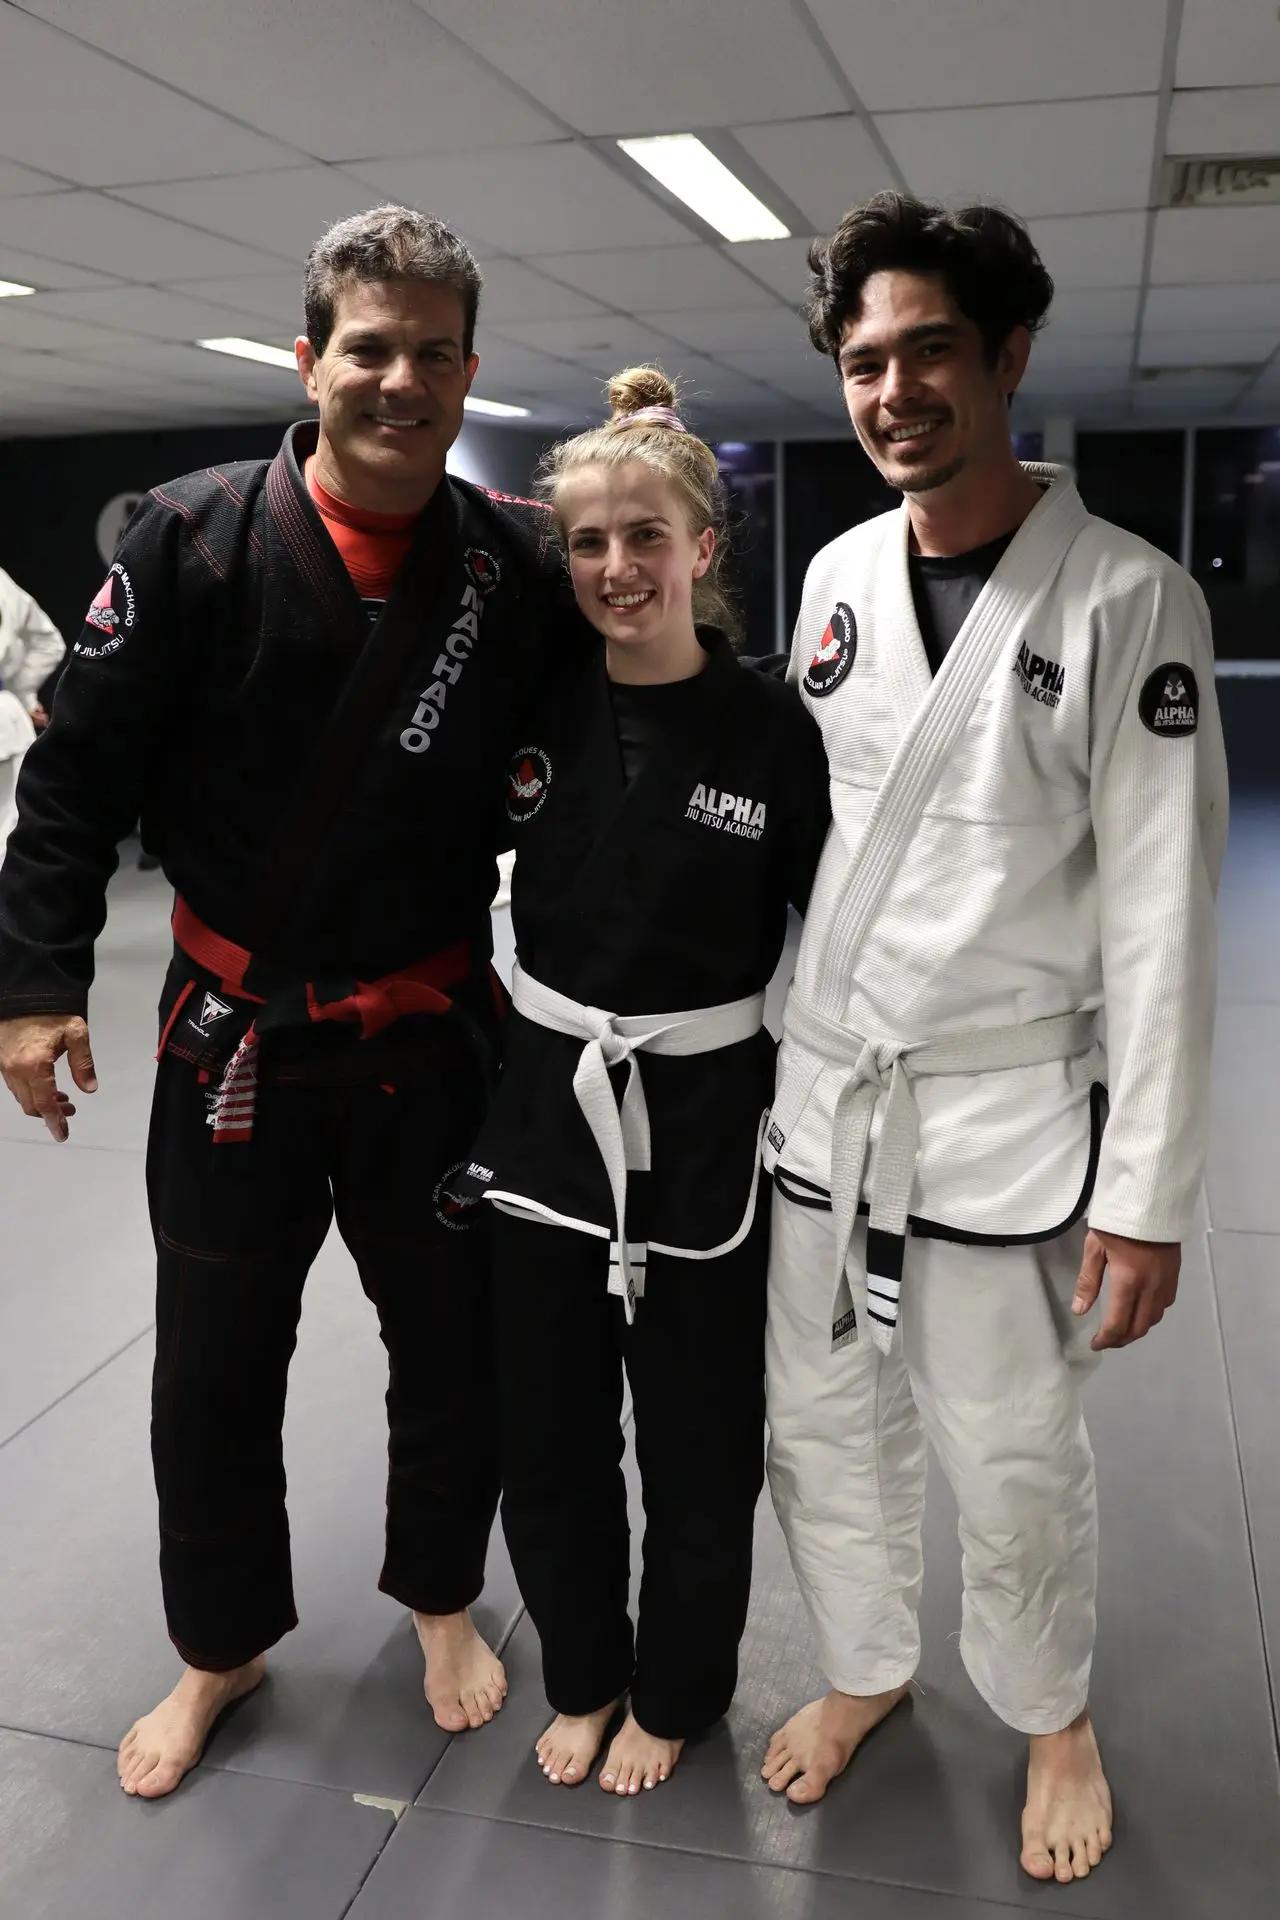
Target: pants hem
x,y
1043,1720
451,1600
227,1663
862,1688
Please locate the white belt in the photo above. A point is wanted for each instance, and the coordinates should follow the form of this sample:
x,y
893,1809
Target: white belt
x,y
622,1134
889,1066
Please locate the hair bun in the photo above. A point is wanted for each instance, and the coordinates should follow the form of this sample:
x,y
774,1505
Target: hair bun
x,y
636,388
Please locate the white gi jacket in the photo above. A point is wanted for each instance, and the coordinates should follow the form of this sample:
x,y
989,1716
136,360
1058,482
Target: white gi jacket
x,y
1035,832
30,648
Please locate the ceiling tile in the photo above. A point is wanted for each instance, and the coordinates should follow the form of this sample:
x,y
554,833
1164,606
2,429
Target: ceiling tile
x,y
955,53
604,344
675,278
87,229
77,114
336,79
1210,347
825,166
16,179
23,323
1211,306
514,291
1092,249
781,264
1054,349
157,360
762,328
531,200
1215,244
159,315
283,212
272,296
1178,403
1059,157
684,64
1225,120
1084,310
1228,43
34,271
1078,379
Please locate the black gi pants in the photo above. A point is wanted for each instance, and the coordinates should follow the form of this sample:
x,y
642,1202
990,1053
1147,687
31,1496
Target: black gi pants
x,y
237,1227
695,1363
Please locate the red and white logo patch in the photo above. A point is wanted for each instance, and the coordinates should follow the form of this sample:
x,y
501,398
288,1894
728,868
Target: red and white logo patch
x,y
528,778
112,614
457,1215
483,568
835,652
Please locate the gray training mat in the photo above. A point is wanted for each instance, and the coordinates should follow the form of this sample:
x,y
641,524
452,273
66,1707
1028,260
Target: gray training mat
x,y
221,1848
1181,1698
442,1866
343,1706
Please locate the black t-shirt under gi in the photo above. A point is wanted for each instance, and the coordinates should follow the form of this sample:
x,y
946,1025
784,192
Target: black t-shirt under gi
x,y
944,588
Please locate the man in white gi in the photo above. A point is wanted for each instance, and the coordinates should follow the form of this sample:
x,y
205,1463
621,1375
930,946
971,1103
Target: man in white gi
x,y
1014,912
30,649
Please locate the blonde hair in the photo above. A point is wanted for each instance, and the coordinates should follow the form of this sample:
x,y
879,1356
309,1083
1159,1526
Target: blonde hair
x,y
643,426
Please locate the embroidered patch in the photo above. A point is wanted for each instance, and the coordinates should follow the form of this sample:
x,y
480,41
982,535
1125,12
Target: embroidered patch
x,y
1042,678
844,1326
112,615
211,1012
483,568
837,650
457,1215
528,778
733,813
1169,704
776,1137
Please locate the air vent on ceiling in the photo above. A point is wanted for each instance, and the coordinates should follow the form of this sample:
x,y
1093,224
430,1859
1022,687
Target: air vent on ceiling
x,y
1201,376
1213,180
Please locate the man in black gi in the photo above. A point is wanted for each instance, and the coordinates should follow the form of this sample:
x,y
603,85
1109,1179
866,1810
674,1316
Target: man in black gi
x,y
300,676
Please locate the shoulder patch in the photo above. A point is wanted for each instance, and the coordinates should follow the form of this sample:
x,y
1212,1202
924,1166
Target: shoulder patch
x,y
112,615
1169,704
836,652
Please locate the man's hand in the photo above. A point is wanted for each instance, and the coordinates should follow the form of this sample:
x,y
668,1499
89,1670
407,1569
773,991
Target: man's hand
x,y
29,1047
1143,1285
39,718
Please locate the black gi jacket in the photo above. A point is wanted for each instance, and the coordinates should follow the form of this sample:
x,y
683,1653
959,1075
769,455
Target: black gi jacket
x,y
667,895
208,668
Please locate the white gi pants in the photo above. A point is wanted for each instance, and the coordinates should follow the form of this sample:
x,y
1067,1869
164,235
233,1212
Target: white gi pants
x,y
987,1366
16,735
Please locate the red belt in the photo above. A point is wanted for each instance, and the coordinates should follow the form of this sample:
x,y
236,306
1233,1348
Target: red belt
x,y
373,1005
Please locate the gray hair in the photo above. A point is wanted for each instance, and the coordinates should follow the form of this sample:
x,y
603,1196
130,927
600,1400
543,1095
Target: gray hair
x,y
387,243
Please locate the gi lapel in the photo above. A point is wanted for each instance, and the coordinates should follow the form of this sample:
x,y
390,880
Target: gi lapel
x,y
1016,590
298,840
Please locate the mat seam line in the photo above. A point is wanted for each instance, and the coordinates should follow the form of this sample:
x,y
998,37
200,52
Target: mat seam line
x,y
1263,1636
76,1386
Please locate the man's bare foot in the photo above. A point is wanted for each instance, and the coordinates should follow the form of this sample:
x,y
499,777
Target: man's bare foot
x,y
638,1759
818,1743
166,1743
466,1682
1066,1825
567,1750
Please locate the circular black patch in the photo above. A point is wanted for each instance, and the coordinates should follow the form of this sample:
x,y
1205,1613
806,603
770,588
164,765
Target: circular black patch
x,y
528,777
1169,704
457,1215
836,652
483,568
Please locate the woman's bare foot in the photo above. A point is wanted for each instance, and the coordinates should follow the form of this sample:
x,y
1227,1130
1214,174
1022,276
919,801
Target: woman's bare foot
x,y
567,1750
166,1743
818,1743
638,1759
1066,1826
465,1682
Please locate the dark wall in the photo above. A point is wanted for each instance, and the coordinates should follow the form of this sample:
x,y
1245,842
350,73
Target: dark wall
x,y
53,490
828,487
1135,481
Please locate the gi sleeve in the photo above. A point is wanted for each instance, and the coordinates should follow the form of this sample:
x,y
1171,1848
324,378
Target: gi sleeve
x,y
42,649
1159,802
81,786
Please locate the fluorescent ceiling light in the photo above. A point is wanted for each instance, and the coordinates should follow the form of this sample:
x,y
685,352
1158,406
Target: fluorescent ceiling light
x,y
691,171
13,289
253,350
498,408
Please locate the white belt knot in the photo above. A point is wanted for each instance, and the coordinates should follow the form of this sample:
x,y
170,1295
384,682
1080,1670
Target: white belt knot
x,y
621,1130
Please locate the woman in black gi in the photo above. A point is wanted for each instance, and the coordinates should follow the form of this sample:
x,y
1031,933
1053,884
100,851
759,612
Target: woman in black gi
x,y
666,804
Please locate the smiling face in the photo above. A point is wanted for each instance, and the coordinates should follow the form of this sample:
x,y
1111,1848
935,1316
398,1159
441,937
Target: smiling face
x,y
924,401
632,555
390,386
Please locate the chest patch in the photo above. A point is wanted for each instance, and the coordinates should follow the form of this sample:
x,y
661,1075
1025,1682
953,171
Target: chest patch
x,y
732,813
1169,704
528,778
483,568
1043,679
836,652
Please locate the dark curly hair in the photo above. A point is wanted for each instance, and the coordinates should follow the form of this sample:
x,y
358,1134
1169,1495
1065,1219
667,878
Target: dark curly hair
x,y
385,244
984,256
